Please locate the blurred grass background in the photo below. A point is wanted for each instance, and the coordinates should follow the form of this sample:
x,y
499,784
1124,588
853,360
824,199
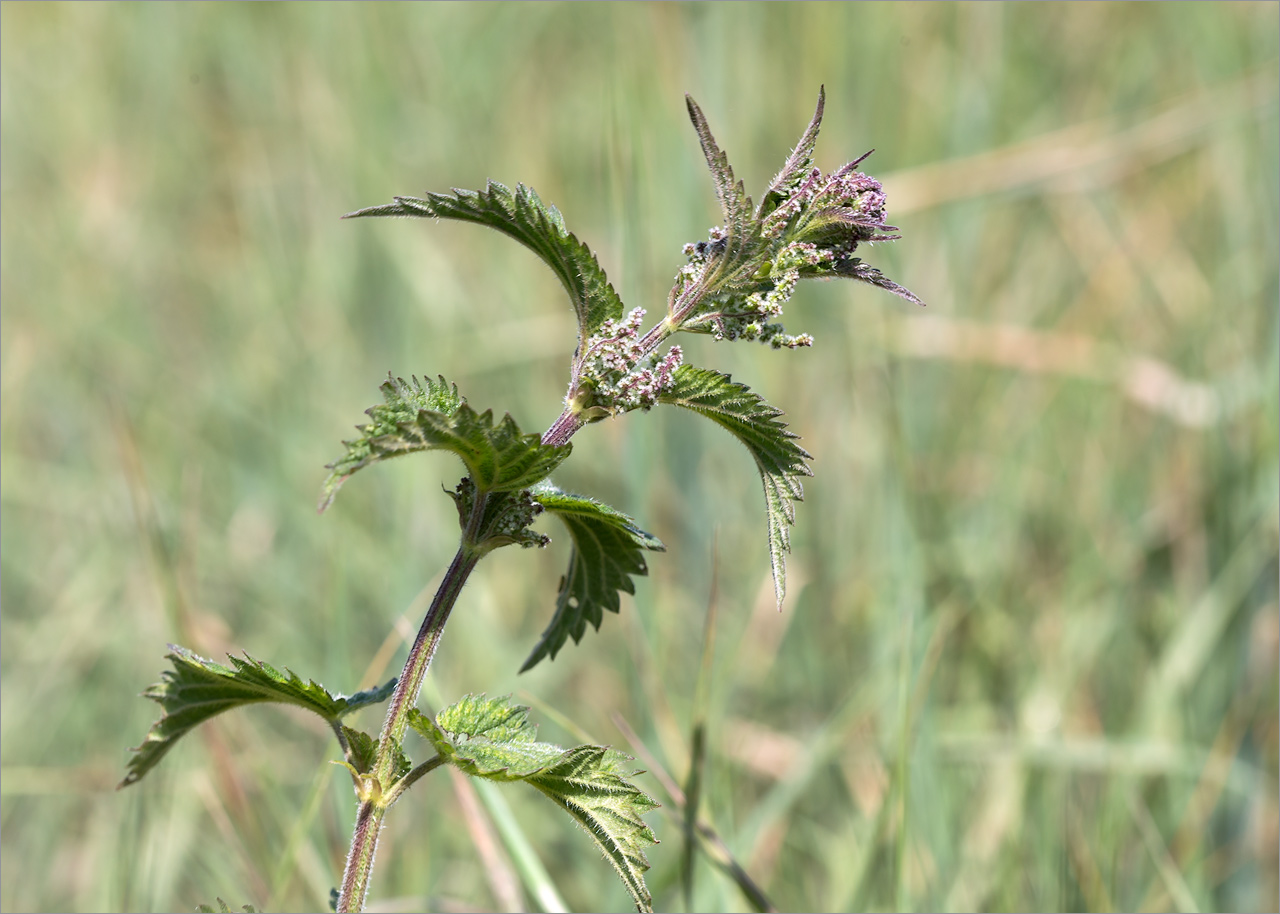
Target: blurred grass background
x,y
1029,655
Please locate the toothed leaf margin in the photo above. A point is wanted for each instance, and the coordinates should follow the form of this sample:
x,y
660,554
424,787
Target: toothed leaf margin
x,y
197,689
780,460
608,548
414,418
493,739
522,215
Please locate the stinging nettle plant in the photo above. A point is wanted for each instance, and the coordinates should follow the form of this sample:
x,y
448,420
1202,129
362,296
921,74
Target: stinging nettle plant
x,y
807,225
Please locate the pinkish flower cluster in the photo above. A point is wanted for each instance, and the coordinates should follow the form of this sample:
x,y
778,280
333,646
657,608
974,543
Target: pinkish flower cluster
x,y
751,316
846,197
812,232
616,345
625,378
641,388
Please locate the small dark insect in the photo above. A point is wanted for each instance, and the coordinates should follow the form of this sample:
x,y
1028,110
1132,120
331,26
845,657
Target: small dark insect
x,y
711,248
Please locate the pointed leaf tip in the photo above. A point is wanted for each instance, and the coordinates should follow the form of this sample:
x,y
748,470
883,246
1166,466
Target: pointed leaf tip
x,y
734,203
521,215
493,739
758,426
197,689
798,163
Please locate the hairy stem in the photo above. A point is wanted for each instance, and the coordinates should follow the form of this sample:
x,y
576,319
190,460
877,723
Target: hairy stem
x,y
409,685
364,844
564,427
412,778
375,801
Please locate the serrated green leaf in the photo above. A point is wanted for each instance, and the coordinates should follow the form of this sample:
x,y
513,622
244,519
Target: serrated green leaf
x,y
492,739
362,749
416,418
734,202
608,548
197,689
402,764
523,216
403,400
590,785
780,460
498,458
798,163
476,717
487,746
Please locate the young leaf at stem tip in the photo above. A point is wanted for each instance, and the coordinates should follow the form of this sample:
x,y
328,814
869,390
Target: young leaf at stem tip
x,y
808,226
734,202
799,162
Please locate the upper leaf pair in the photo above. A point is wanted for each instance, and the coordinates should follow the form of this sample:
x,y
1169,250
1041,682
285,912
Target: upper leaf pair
x,y
433,416
607,545
807,225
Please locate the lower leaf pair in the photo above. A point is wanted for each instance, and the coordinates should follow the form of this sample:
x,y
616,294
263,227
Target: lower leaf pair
x,y
482,737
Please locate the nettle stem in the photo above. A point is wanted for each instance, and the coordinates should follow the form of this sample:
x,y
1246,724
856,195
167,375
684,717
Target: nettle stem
x,y
373,806
380,791
378,798
564,427
376,801
405,697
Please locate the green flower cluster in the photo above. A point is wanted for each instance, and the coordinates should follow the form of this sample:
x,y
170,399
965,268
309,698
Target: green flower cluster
x,y
506,519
